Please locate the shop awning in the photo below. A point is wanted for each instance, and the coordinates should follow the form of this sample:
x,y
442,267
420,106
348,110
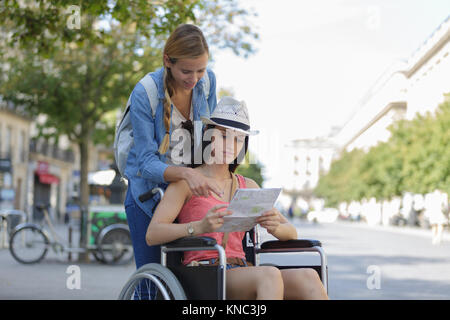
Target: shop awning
x,y
47,178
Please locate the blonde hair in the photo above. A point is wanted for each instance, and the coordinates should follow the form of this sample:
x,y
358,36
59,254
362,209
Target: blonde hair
x,y
185,42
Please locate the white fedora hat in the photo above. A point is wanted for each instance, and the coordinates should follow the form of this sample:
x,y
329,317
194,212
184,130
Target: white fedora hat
x,y
232,114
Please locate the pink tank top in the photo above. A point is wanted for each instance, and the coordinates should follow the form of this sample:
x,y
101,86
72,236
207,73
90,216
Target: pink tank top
x,y
194,210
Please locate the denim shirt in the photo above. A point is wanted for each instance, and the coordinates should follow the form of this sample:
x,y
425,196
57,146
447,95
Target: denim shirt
x,y
145,165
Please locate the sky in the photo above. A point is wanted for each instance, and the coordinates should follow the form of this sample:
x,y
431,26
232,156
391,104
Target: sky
x,y
315,60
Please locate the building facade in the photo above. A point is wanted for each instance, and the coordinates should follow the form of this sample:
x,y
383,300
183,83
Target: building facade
x,y
35,170
14,155
308,160
416,85
311,158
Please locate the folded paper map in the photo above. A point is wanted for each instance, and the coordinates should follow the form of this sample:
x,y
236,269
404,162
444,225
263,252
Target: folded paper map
x,y
247,205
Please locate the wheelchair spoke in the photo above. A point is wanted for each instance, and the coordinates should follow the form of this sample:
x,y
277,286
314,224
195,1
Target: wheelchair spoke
x,y
153,281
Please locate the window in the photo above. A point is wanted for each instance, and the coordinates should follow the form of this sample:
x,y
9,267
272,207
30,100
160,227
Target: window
x,y
22,146
321,166
308,166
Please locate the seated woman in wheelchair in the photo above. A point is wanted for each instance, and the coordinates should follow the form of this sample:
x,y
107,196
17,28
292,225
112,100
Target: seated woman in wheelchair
x,y
201,216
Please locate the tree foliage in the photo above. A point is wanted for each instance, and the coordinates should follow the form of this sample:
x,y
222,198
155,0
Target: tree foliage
x,y
48,25
341,182
78,71
251,170
416,159
76,62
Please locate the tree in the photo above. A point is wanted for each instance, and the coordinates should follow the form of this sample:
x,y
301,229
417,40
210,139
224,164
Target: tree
x,y
49,25
251,170
78,64
427,158
342,182
416,159
223,92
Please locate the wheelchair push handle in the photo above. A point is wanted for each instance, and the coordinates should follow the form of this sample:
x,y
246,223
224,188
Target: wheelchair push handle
x,y
149,194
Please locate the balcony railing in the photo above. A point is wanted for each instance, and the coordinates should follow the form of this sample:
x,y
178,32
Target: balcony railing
x,y
50,150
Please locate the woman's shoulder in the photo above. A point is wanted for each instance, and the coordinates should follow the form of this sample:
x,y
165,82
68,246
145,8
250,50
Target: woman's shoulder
x,y
157,77
180,186
180,189
211,77
139,94
210,73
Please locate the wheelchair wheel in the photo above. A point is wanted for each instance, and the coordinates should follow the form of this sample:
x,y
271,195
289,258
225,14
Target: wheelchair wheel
x,y
28,244
152,275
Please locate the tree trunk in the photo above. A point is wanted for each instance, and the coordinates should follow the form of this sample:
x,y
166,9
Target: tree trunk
x,y
84,196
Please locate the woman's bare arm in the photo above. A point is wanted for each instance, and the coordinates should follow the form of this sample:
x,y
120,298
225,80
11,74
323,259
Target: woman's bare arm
x,y
161,228
199,184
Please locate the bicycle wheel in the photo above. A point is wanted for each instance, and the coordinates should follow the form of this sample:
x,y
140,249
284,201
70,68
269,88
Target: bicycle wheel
x,y
28,244
144,282
115,246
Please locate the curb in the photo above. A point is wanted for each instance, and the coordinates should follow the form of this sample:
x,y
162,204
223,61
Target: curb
x,y
426,233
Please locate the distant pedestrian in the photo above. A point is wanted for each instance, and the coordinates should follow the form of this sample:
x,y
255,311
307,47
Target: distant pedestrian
x,y
434,204
291,211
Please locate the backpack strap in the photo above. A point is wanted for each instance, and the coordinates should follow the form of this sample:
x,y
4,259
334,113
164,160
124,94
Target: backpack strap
x,y
152,92
206,86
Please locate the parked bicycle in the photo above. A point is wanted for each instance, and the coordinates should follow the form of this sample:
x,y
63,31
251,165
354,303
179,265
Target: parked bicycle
x,y
9,218
30,242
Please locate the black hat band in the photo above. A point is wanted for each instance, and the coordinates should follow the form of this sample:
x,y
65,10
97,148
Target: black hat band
x,y
231,123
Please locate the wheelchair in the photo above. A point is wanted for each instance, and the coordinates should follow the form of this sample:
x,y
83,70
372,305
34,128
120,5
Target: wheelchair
x,y
175,281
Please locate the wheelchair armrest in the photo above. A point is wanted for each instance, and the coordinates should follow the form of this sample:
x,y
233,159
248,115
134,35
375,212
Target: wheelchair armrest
x,y
191,242
290,244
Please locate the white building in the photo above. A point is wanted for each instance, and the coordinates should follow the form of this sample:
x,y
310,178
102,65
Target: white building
x,y
307,160
312,157
416,85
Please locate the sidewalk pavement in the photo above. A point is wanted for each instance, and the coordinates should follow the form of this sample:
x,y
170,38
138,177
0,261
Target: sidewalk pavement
x,y
406,230
51,278
55,277
409,230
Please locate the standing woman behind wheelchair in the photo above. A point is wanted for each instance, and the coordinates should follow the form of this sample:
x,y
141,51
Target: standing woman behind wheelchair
x,y
181,97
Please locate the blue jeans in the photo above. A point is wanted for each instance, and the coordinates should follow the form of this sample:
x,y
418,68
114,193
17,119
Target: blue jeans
x,y
138,222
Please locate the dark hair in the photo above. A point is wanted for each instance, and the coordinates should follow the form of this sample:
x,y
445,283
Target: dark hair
x,y
232,166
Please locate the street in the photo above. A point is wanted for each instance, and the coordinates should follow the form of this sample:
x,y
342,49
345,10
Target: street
x,y
52,277
409,266
364,263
